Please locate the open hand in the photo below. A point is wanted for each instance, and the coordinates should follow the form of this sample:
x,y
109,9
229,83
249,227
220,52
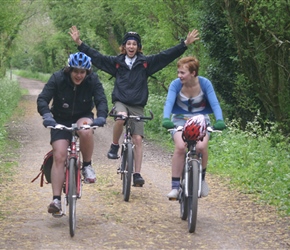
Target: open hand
x,y
75,35
191,37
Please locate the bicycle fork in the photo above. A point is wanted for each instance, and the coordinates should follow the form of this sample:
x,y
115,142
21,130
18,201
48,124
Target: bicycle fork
x,y
73,151
122,170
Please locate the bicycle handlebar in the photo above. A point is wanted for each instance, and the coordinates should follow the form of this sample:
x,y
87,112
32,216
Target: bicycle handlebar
x,y
209,129
73,127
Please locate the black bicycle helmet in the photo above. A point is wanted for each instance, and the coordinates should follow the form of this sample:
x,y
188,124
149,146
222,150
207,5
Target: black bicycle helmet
x,y
131,35
79,60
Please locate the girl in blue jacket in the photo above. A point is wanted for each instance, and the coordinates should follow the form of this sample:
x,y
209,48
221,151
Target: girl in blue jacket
x,y
189,95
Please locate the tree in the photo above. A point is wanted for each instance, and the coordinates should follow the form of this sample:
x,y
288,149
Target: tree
x,y
11,18
103,23
249,44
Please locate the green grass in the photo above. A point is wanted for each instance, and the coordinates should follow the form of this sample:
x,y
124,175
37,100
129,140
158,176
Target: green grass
x,y
254,161
10,94
32,75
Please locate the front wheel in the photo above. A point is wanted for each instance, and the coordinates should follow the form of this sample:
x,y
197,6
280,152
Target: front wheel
x,y
128,169
193,184
72,196
183,200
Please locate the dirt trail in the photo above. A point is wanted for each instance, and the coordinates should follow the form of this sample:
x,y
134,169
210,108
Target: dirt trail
x,y
226,218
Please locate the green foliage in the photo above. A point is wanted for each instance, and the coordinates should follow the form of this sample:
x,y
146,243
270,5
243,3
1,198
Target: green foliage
x,y
32,75
9,21
248,42
45,49
223,69
51,54
9,97
13,14
104,23
262,166
10,94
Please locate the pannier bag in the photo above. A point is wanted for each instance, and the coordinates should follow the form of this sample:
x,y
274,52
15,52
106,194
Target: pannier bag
x,y
45,169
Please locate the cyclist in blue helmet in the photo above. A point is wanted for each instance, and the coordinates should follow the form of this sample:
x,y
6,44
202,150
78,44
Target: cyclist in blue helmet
x,y
74,91
80,61
131,70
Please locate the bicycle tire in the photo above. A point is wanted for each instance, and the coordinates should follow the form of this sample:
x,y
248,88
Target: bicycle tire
x,y
72,196
183,200
193,179
128,173
123,167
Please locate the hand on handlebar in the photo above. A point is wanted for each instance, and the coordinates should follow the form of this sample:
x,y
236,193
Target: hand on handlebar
x,y
219,125
167,123
48,120
100,122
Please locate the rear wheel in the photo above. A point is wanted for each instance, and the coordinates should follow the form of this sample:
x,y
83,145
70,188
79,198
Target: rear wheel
x,y
128,171
193,179
72,196
183,200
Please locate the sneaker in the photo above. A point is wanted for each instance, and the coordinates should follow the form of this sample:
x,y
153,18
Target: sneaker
x,y
204,189
54,206
138,180
113,152
173,195
89,174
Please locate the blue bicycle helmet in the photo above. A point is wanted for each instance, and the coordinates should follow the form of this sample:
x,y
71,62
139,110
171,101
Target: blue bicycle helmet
x,y
79,60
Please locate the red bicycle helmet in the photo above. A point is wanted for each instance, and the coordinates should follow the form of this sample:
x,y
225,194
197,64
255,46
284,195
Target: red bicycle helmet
x,y
194,129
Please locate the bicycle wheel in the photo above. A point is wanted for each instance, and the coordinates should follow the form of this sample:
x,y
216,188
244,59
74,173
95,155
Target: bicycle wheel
x,y
123,167
183,200
72,196
128,171
193,184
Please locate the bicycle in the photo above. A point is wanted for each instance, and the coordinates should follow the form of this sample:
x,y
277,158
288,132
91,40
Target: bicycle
x,y
190,183
72,186
127,152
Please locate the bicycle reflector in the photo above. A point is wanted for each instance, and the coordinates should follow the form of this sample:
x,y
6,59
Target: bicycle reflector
x,y
194,129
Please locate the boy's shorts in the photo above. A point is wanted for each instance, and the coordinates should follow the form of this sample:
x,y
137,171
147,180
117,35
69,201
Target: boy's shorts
x,y
137,128
56,134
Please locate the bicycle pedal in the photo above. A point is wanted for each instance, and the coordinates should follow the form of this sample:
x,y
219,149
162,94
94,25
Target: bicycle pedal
x,y
137,185
173,199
